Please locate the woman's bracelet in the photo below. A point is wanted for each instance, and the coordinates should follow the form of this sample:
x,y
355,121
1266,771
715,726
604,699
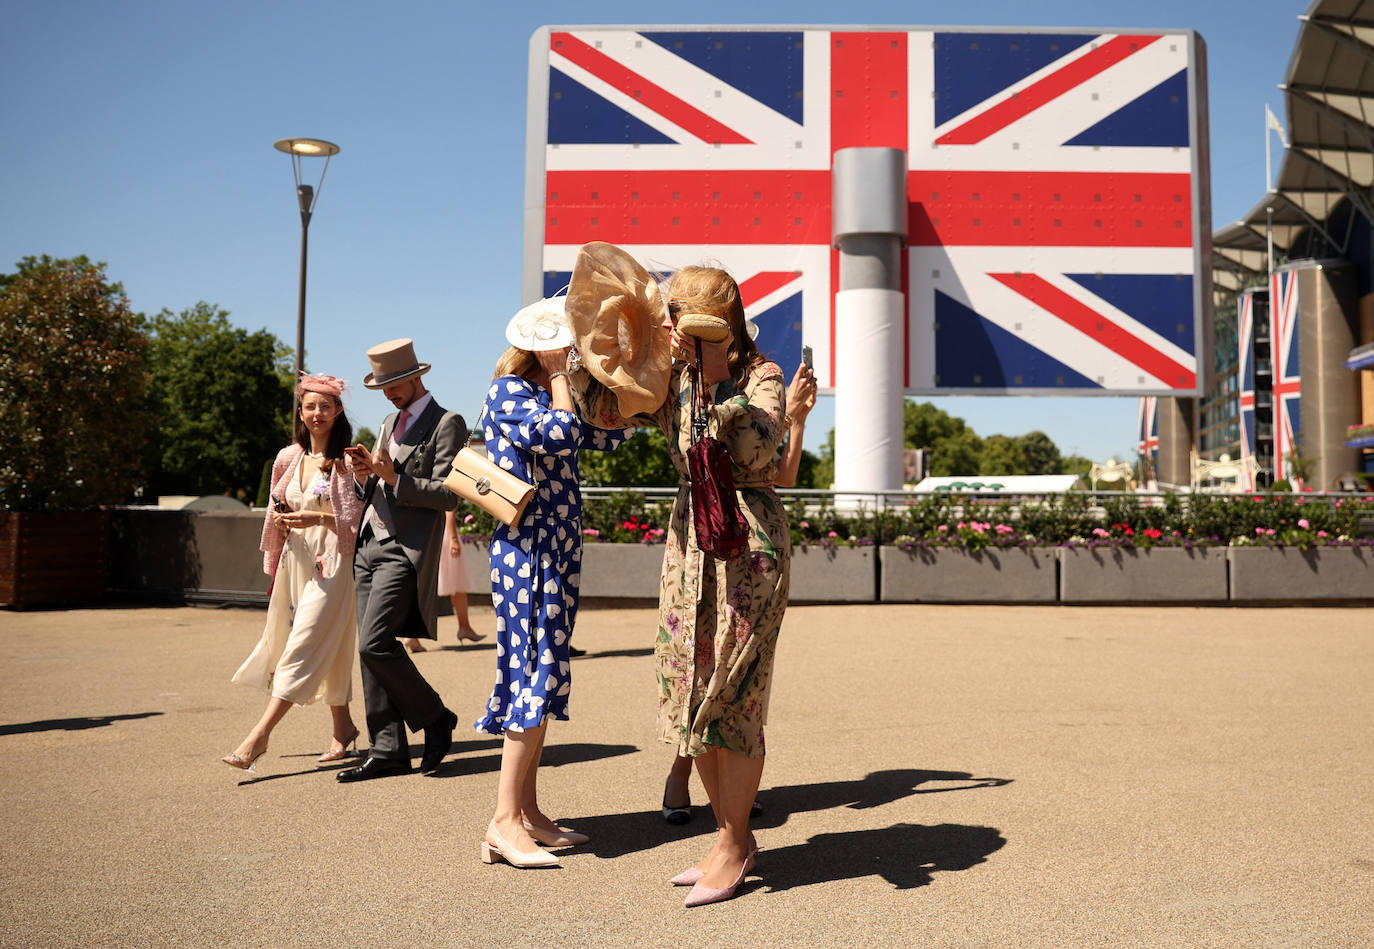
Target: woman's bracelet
x,y
787,419
558,372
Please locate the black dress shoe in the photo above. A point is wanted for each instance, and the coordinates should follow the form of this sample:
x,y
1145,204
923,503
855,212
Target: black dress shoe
x,y
438,740
375,767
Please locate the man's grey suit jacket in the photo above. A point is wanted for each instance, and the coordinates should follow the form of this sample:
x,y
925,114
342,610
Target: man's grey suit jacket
x,y
417,502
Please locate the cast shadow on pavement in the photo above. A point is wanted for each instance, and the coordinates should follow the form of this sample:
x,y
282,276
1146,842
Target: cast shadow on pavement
x,y
554,756
614,835
71,724
905,855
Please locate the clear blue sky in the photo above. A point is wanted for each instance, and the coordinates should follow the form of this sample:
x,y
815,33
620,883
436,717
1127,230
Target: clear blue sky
x,y
140,134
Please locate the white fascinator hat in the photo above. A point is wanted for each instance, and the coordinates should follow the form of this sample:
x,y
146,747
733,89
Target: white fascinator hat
x,y
541,326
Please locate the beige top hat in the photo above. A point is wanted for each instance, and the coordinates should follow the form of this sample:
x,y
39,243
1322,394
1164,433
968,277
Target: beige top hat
x,y
391,362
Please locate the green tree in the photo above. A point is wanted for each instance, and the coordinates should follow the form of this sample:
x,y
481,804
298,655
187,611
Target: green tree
x,y
641,462
1001,456
957,454
1075,464
1040,454
823,472
72,386
924,426
222,398
364,436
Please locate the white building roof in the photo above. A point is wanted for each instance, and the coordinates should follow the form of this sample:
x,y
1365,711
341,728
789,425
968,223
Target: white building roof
x,y
1009,484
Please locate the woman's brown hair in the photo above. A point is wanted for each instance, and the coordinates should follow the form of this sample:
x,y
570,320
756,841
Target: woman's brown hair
x,y
515,362
712,290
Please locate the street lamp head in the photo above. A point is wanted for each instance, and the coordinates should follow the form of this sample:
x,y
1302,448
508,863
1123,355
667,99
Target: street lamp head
x,y
307,147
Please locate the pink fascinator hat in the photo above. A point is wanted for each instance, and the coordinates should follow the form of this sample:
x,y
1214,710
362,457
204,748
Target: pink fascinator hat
x,y
329,385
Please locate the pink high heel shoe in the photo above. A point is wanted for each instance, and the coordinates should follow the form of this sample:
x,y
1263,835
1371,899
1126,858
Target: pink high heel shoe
x,y
701,895
561,838
691,875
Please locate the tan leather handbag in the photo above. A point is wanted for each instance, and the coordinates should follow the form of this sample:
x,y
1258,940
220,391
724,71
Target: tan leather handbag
x,y
495,490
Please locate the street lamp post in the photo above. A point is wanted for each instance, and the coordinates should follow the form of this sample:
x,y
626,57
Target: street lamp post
x,y
306,196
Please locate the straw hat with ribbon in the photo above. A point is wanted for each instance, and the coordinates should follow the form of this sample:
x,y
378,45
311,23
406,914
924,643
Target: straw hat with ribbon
x,y
616,313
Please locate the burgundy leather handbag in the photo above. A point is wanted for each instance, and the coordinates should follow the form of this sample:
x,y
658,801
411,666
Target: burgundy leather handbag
x,y
721,528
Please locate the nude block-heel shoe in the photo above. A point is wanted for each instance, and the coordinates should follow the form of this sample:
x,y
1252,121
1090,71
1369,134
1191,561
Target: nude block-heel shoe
x,y
496,848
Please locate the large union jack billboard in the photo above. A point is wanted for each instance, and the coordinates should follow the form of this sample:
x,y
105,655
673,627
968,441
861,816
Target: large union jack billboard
x,y
1283,335
1058,218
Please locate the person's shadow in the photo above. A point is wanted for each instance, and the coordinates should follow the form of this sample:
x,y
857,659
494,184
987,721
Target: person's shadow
x,y
905,855
71,724
827,856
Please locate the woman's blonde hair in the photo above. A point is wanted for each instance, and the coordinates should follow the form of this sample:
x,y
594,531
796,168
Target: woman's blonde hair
x,y
712,290
515,362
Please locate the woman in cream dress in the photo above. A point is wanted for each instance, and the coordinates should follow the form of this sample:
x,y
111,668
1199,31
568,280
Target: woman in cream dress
x,y
306,651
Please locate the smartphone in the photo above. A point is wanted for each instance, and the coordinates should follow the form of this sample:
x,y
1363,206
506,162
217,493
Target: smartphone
x,y
279,505
806,358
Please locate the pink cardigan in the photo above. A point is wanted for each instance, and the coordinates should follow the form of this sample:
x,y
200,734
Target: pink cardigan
x,y
348,508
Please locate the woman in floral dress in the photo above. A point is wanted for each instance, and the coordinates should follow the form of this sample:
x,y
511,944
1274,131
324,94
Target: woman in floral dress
x,y
719,619
306,651
531,429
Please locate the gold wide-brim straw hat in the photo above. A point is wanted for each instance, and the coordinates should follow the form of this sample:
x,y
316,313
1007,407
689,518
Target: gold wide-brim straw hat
x,y
616,312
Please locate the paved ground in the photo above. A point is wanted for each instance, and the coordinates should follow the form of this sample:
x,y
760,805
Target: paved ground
x,y
938,776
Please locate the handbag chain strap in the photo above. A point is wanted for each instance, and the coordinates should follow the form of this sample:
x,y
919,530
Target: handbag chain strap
x,y
699,414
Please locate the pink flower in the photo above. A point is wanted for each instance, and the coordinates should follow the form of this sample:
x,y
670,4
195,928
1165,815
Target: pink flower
x,y
590,532
832,534
1302,522
467,519
1004,529
1322,534
1269,532
1259,531
1100,532
803,524
943,527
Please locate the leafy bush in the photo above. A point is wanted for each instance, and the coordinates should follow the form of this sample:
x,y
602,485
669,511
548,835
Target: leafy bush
x,y
1075,519
72,382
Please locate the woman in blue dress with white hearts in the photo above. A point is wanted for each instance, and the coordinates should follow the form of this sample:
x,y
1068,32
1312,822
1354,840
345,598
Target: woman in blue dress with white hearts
x,y
532,429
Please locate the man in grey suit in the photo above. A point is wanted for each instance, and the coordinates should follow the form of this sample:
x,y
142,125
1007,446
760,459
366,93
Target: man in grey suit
x,y
395,567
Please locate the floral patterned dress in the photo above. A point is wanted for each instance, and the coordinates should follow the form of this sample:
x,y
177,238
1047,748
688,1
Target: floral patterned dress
x,y
536,566
719,619
308,643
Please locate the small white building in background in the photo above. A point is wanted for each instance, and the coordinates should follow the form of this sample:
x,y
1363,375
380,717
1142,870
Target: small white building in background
x,y
1010,484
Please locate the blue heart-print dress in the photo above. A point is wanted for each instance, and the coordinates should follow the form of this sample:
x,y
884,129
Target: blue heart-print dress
x,y
536,565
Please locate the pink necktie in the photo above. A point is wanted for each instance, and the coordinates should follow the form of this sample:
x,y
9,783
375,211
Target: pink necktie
x,y
402,421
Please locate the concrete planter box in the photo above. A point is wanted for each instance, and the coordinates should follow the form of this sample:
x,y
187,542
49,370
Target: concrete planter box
x,y
839,575
177,555
622,571
954,575
632,571
1327,573
1126,575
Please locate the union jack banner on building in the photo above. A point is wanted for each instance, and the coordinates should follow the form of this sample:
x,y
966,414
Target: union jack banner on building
x,y
1245,334
1057,239
1283,321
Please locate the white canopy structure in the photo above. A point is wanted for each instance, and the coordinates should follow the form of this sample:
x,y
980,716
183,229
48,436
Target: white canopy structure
x,y
1010,484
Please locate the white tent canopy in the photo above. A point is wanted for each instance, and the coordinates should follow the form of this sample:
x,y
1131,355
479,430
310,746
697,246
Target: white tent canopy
x,y
992,484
